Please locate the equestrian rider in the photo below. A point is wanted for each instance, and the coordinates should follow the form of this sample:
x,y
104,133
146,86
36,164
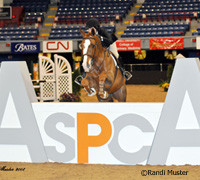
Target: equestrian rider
x,y
107,40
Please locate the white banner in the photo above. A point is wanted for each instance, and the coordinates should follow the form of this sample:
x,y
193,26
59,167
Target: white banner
x,y
57,46
88,132
197,42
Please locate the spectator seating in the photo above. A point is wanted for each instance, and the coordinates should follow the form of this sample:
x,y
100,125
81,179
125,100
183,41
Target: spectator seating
x,y
32,6
34,17
168,10
77,11
156,30
73,32
34,10
18,33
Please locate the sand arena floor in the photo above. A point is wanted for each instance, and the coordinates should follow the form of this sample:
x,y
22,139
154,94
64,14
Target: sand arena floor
x,y
136,93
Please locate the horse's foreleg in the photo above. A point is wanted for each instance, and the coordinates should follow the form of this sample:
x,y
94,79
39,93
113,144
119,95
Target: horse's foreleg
x,y
85,84
102,78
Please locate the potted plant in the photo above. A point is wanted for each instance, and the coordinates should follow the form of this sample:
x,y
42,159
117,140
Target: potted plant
x,y
165,83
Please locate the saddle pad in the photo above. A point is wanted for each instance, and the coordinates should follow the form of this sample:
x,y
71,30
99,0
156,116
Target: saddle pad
x,y
114,60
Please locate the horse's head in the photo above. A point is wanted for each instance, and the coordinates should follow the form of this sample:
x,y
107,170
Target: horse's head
x,y
90,46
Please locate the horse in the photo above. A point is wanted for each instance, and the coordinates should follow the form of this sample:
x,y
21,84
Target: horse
x,y
103,77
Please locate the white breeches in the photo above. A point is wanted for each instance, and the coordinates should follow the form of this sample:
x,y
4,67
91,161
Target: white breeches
x,y
113,49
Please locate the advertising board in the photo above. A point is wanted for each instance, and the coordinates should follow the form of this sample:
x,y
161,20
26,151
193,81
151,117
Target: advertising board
x,y
101,133
128,44
25,47
166,43
57,46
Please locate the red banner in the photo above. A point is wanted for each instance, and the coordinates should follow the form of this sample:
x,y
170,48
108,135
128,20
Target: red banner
x,y
128,44
166,43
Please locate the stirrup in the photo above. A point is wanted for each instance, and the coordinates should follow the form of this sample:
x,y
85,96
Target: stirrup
x,y
78,80
127,75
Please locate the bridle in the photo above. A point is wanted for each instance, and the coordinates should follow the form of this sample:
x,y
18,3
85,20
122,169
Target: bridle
x,y
93,46
93,56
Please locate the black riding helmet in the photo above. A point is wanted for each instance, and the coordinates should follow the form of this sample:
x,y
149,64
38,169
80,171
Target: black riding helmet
x,y
93,22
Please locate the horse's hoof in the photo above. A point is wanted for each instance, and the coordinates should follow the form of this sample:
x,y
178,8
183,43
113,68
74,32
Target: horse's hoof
x,y
103,95
93,92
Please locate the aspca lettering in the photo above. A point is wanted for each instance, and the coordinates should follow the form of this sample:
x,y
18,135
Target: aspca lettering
x,y
85,141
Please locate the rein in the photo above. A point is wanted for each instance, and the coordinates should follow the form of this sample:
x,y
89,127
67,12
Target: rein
x,y
94,46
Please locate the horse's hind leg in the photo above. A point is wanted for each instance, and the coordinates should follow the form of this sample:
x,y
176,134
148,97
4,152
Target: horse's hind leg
x,y
120,94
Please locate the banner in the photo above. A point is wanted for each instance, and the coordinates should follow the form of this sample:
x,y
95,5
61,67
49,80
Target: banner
x,y
166,43
57,46
128,44
25,47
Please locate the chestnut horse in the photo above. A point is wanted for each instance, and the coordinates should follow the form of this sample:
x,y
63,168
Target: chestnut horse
x,y
103,77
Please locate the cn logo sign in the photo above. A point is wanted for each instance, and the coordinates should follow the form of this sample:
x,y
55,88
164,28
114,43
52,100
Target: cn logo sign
x,y
57,46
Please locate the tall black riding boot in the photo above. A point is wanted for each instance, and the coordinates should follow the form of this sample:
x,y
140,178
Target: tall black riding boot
x,y
126,74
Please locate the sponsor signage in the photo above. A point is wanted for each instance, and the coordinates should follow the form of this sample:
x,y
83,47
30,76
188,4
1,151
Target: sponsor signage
x,y
57,46
166,43
118,133
128,44
5,12
25,47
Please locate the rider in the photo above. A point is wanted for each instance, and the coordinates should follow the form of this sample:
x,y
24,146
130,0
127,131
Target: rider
x,y
105,37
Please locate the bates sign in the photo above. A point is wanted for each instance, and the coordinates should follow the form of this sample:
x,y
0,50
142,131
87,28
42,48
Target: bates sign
x,y
57,46
25,47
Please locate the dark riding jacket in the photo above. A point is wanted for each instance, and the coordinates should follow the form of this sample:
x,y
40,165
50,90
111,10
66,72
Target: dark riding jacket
x,y
106,38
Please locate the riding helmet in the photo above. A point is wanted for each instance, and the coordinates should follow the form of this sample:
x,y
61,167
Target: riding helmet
x,y
93,22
